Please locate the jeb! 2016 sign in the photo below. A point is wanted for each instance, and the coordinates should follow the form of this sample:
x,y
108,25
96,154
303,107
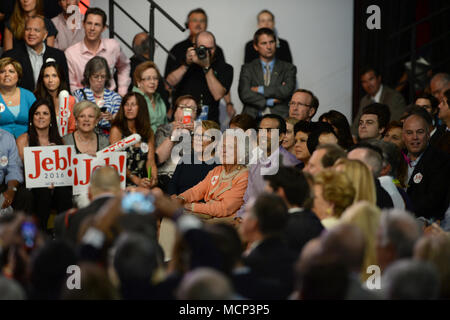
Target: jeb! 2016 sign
x,y
60,166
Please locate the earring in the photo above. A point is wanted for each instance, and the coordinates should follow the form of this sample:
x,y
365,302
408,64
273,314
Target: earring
x,y
50,124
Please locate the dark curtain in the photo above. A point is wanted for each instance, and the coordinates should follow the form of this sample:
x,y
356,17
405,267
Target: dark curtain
x,y
388,49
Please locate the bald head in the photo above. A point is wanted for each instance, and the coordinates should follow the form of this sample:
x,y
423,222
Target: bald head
x,y
104,180
205,284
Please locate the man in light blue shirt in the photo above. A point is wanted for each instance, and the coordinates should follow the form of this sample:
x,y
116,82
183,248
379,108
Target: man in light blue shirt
x,y
11,174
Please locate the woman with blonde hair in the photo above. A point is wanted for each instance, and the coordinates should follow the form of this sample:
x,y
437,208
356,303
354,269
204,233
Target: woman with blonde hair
x,y
333,193
361,178
366,216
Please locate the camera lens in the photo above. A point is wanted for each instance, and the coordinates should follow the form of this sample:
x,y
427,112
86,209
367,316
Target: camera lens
x,y
201,52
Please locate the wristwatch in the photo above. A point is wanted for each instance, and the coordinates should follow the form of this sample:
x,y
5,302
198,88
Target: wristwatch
x,y
206,69
12,188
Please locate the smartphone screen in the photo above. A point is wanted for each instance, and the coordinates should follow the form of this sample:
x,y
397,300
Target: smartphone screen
x,y
29,234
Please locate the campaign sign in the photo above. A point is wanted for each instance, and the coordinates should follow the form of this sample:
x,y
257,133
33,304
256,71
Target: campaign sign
x,y
48,165
84,165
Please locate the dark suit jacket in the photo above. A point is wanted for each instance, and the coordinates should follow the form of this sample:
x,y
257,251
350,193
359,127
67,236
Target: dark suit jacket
x,y
302,226
272,262
430,195
390,97
441,139
20,54
384,200
281,87
68,224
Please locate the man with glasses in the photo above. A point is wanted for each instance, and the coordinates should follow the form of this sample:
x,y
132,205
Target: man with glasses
x,y
266,83
94,45
204,75
303,105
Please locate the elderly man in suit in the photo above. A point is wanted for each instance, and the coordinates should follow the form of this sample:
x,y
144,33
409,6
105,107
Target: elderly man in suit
x,y
34,53
379,93
266,84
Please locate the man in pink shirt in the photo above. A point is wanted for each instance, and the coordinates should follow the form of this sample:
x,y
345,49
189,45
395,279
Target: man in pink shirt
x,y
93,45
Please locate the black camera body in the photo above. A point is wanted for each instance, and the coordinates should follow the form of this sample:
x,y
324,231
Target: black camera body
x,y
202,52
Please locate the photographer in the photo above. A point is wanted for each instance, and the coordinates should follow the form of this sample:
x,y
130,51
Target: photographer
x,y
204,75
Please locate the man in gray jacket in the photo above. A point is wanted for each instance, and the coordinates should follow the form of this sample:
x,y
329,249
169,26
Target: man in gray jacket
x,y
266,84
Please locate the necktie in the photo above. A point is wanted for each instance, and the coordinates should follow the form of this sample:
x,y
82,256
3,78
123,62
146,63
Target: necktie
x,y
267,75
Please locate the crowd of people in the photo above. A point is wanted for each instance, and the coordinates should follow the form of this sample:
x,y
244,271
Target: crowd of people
x,y
302,209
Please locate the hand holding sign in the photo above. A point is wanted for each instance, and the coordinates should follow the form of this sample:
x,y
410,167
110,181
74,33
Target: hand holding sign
x,y
122,144
64,112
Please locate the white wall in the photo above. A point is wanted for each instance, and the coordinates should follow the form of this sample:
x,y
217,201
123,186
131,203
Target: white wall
x,y
319,32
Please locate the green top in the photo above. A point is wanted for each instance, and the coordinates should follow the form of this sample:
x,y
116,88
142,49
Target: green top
x,y
158,116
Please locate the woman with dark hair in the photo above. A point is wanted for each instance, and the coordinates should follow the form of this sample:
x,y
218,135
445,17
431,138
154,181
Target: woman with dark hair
x,y
96,79
133,118
43,131
341,127
302,130
51,82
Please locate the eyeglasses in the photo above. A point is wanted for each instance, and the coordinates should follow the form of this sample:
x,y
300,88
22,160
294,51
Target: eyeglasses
x,y
298,104
150,78
183,106
99,76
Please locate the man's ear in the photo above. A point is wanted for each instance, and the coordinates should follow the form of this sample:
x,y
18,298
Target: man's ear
x,y
311,112
385,171
255,47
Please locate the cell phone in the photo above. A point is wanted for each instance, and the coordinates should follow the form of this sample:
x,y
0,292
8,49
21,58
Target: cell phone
x,y
138,203
29,231
103,109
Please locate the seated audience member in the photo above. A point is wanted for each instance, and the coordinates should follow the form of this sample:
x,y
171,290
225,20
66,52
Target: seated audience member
x,y
428,170
34,53
136,263
289,138
372,157
221,193
185,113
439,84
146,79
266,84
366,217
96,79
323,133
84,138
13,195
266,19
431,105
436,250
396,237
268,257
49,85
205,284
302,130
243,121
444,113
394,134
333,193
268,157
373,122
43,131
380,94
361,178
187,175
303,105
303,225
324,156
389,174
92,45
67,36
341,127
49,270
15,27
408,279
15,102
104,185
132,118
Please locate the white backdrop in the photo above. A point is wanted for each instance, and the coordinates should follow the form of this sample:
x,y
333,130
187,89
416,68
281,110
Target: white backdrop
x,y
319,32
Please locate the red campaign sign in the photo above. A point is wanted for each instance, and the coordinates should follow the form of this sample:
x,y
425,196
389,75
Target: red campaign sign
x,y
84,165
50,165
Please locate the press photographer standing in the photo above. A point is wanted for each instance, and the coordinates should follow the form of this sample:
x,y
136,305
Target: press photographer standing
x,y
204,75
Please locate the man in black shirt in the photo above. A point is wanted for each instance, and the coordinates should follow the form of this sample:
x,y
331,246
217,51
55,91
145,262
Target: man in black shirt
x,y
207,79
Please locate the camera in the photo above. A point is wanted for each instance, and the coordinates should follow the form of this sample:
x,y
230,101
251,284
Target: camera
x,y
202,52
138,203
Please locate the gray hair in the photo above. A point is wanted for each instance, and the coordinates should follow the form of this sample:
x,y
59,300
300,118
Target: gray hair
x,y
409,279
96,64
391,155
400,229
80,106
